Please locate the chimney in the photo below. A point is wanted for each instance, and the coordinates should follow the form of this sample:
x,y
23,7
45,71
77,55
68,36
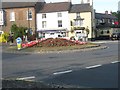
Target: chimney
x,y
82,1
106,12
67,0
111,12
88,1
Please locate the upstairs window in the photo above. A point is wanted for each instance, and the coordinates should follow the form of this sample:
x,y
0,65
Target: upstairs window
x,y
78,23
59,23
43,15
44,24
12,16
59,14
29,15
71,23
77,15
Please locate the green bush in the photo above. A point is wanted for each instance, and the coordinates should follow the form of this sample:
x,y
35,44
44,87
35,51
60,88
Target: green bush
x,y
4,37
18,31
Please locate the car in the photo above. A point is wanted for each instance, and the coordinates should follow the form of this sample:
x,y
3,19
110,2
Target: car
x,y
115,36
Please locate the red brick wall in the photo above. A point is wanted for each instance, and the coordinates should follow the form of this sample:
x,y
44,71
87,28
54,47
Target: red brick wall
x,y
20,18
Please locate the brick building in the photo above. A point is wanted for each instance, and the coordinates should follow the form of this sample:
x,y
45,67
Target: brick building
x,y
20,13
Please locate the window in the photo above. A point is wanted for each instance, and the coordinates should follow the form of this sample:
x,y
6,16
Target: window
x,y
78,22
71,23
109,21
51,33
102,32
43,15
103,20
59,14
43,24
29,15
59,23
1,17
12,16
77,15
108,31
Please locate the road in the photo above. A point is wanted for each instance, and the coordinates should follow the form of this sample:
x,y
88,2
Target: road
x,y
79,69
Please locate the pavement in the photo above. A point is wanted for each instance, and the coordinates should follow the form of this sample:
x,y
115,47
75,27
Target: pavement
x,y
104,41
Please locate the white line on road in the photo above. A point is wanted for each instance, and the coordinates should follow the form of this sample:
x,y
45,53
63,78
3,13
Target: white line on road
x,y
115,62
93,66
63,72
26,78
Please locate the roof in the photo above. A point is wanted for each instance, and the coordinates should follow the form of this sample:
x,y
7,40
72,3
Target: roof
x,y
55,7
20,4
80,8
104,16
6,5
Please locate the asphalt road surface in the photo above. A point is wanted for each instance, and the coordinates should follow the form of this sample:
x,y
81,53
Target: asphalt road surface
x,y
94,68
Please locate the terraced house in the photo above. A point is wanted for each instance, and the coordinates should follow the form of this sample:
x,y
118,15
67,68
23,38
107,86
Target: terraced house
x,y
20,13
61,19
105,25
64,19
53,20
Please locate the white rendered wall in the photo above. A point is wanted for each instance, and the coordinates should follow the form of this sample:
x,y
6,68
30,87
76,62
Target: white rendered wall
x,y
52,21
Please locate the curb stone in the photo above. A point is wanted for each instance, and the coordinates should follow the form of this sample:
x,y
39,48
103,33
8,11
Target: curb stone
x,y
63,51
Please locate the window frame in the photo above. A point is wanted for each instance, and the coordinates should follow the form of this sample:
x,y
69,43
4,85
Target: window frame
x,y
78,22
12,16
44,16
44,24
29,15
60,23
77,15
59,15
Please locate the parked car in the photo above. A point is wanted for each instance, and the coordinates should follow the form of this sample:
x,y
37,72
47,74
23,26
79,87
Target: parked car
x,y
115,36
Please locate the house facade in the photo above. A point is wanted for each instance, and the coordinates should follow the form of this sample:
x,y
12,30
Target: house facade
x,y
65,19
53,20
23,14
81,21
105,25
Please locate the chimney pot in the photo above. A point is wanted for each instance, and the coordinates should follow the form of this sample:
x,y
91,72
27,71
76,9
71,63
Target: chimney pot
x,y
106,12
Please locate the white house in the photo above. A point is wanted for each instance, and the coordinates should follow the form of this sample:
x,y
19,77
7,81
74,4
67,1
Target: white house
x,y
2,19
64,19
53,20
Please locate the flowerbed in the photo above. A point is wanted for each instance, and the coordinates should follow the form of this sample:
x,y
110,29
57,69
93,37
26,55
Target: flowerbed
x,y
50,42
29,44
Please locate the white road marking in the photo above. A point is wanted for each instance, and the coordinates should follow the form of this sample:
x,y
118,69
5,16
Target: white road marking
x,y
63,72
26,78
115,62
93,66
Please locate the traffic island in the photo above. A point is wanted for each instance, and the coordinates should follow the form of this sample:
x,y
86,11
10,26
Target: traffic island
x,y
52,45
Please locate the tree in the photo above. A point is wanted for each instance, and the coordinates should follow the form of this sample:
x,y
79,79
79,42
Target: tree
x,y
18,31
117,14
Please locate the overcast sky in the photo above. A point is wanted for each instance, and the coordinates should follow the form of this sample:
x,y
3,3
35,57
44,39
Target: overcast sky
x,y
100,5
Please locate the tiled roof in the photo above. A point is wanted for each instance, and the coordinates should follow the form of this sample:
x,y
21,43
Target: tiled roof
x,y
104,16
55,7
17,4
21,3
80,8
